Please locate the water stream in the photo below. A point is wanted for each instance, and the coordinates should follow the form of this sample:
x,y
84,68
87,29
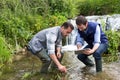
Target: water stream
x,y
27,67
78,71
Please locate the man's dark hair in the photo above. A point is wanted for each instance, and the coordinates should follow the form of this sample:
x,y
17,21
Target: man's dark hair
x,y
67,24
81,20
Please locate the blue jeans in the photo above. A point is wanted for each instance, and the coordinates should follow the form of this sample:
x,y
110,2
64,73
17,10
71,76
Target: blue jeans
x,y
97,54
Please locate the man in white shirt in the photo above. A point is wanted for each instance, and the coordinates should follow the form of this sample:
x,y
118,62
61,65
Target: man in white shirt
x,y
46,45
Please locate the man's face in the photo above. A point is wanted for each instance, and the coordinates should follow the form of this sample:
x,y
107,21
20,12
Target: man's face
x,y
82,27
66,32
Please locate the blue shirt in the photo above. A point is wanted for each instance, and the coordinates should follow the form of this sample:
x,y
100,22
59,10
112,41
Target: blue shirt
x,y
93,30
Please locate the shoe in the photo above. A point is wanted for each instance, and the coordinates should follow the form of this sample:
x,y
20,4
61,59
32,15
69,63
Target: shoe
x,y
88,62
98,65
44,67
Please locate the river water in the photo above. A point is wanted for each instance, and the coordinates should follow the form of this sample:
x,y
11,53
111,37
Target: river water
x,y
26,67
78,71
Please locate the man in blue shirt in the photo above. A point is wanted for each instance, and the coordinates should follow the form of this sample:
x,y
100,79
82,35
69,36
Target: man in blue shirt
x,y
97,41
46,45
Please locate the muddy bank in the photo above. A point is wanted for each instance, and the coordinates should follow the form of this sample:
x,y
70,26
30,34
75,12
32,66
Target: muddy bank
x,y
113,69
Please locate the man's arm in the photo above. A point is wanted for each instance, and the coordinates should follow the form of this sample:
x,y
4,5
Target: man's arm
x,y
51,51
79,41
96,39
60,67
96,42
58,52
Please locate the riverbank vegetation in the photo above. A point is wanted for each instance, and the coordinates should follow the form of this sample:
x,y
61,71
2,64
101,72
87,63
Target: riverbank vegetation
x,y
21,19
114,43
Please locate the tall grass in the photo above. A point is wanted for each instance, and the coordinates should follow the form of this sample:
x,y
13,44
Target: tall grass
x,y
5,53
99,7
114,43
19,19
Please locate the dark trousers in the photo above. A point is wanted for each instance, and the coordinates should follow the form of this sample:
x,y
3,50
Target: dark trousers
x,y
46,60
97,54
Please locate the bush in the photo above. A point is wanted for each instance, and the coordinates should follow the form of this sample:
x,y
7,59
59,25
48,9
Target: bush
x,y
98,7
114,42
56,20
15,29
5,52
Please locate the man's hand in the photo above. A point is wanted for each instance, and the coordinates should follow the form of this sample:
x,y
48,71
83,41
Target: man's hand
x,y
78,46
58,55
88,51
58,52
62,68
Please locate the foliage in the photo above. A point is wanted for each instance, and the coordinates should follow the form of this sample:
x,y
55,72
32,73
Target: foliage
x,y
56,19
67,8
40,22
99,7
26,75
5,52
114,42
14,28
19,19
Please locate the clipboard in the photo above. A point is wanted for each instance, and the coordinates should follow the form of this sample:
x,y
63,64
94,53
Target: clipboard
x,y
79,51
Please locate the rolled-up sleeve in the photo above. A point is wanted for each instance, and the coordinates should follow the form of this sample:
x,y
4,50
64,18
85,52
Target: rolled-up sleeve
x,y
79,40
59,44
51,42
97,35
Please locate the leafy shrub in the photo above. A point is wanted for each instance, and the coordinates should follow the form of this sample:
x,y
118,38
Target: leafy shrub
x,y
15,29
5,52
98,7
114,42
56,20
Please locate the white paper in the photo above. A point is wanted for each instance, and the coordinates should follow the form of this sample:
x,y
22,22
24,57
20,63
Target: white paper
x,y
72,48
